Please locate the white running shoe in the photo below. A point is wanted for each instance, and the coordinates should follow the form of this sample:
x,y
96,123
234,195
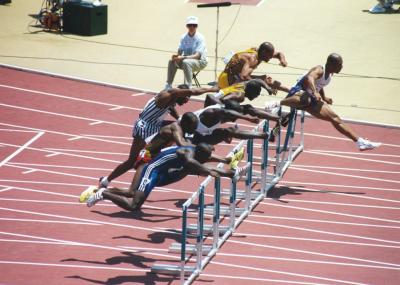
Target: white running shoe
x,y
240,171
377,9
272,107
364,144
96,197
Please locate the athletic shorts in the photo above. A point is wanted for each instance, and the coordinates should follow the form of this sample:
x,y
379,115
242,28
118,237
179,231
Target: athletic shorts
x,y
145,130
297,88
153,176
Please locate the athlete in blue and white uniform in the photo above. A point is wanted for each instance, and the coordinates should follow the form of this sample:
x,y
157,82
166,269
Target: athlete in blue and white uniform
x,y
309,94
170,165
150,120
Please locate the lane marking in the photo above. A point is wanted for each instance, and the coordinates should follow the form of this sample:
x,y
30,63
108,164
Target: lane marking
x,y
29,171
64,134
284,273
345,175
116,108
63,115
6,189
140,94
331,213
345,168
96,123
360,153
21,148
395,266
70,265
48,221
351,157
65,97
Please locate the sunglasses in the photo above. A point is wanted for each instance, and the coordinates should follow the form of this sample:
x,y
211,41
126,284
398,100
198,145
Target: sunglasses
x,y
191,25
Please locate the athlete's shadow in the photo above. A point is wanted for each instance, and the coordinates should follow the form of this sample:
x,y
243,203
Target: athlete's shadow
x,y
278,192
127,257
140,215
156,237
177,202
147,279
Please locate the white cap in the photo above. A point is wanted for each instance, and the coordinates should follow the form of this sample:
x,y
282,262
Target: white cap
x,y
192,20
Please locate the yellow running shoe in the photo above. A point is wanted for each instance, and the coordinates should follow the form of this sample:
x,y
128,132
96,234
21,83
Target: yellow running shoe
x,y
87,193
236,158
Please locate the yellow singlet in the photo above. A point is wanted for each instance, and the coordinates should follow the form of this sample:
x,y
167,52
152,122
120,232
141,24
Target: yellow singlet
x,y
232,69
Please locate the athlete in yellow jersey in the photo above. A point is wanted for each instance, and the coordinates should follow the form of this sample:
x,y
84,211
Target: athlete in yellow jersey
x,y
242,64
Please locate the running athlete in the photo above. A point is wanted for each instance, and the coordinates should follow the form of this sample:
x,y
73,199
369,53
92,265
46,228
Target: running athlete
x,y
211,117
170,165
151,120
242,64
175,133
309,94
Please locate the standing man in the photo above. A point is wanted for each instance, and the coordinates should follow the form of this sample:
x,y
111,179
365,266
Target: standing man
x,y
309,94
242,64
191,56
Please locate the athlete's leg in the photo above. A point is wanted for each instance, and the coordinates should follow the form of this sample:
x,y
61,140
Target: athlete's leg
x,y
129,199
299,100
137,145
250,110
323,111
241,134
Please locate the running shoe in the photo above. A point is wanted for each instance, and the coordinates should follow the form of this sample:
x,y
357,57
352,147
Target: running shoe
x,y
364,144
87,193
284,121
272,107
274,133
103,182
377,9
95,197
240,171
236,158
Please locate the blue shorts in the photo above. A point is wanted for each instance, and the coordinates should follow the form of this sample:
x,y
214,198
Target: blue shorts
x,y
153,176
297,88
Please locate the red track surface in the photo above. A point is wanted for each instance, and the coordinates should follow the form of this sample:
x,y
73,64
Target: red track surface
x,y
334,219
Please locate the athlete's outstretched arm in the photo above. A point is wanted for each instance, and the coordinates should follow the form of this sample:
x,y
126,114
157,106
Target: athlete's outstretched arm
x,y
231,116
281,57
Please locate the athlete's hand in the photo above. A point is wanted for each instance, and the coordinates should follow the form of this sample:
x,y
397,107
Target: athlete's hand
x,y
318,96
283,63
328,100
254,120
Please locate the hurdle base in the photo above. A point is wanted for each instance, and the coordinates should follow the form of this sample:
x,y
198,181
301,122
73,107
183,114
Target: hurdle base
x,y
171,269
207,229
223,210
190,248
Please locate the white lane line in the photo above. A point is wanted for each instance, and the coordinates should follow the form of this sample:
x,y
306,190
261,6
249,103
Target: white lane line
x,y
324,221
237,234
352,157
29,171
116,108
48,221
251,268
17,131
64,134
65,97
321,232
332,192
345,168
86,151
305,260
63,115
57,166
96,123
109,137
331,213
352,186
341,204
356,153
346,175
52,154
21,148
87,244
140,94
85,220
243,243
6,189
144,249
71,266
68,154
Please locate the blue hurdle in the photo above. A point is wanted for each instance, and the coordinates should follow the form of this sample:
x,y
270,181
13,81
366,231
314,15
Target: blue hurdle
x,y
225,219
